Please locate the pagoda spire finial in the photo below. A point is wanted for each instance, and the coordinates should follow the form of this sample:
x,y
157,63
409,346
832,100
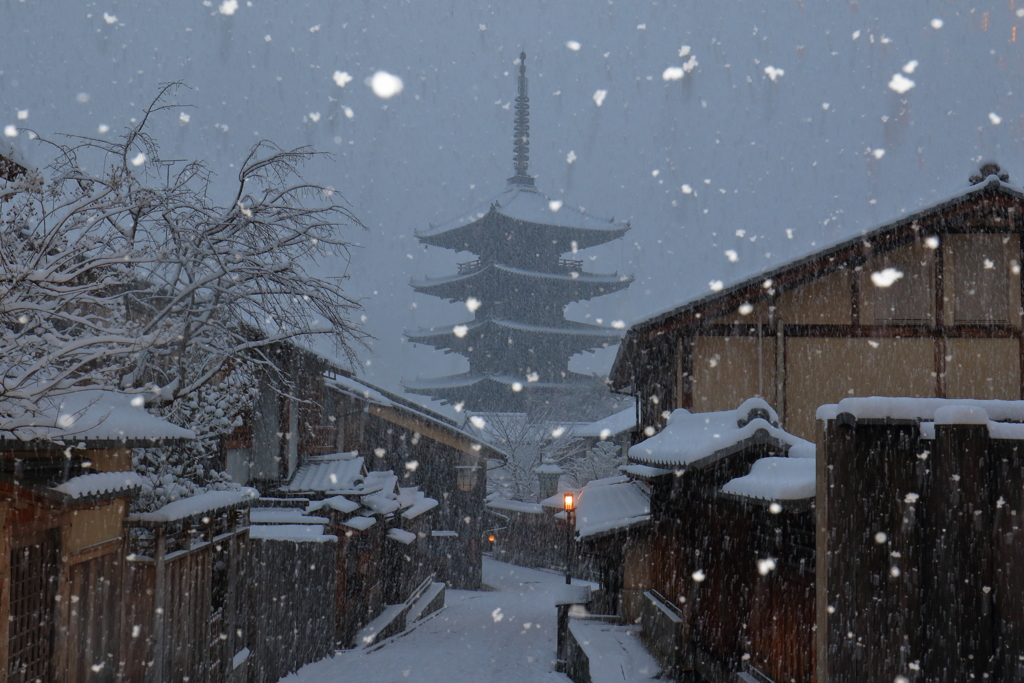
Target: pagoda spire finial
x,y
521,136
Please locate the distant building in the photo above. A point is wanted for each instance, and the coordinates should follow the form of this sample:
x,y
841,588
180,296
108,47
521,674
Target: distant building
x,y
519,342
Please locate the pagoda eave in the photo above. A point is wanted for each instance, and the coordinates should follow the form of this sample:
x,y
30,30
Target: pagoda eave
x,y
561,287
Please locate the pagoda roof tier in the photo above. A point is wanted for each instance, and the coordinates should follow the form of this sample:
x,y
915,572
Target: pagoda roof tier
x,y
569,336
523,215
492,392
488,279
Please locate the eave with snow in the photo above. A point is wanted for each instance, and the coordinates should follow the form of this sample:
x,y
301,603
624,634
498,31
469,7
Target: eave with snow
x,y
920,306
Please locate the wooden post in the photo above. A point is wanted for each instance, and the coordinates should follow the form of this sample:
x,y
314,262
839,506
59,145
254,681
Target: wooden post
x,y
231,600
5,587
780,370
959,580
62,608
156,672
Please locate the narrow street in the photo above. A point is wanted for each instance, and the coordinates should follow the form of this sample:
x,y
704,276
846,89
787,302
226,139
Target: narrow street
x,y
505,635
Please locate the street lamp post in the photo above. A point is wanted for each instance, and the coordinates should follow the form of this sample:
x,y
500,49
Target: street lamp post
x,y
570,525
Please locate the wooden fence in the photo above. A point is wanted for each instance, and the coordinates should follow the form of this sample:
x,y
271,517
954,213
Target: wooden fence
x,y
182,605
291,620
922,551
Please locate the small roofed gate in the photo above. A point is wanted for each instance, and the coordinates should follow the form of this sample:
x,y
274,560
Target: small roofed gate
x,y
920,506
186,570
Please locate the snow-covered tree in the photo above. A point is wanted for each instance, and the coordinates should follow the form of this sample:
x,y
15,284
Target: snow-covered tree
x,y
602,460
138,278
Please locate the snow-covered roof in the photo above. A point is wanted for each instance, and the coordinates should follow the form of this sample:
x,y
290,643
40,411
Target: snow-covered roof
x,y
337,473
557,501
283,516
203,504
567,328
297,533
99,484
644,471
776,478
611,426
379,397
548,468
401,535
101,416
700,439
611,504
957,197
529,205
605,280
924,409
516,506
381,480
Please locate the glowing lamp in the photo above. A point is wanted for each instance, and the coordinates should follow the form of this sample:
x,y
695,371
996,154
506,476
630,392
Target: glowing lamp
x,y
491,538
570,502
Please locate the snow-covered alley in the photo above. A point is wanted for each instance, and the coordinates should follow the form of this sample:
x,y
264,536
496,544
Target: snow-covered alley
x,y
503,635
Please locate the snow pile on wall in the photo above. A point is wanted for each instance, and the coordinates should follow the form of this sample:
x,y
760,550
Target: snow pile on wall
x,y
298,533
776,479
282,516
884,407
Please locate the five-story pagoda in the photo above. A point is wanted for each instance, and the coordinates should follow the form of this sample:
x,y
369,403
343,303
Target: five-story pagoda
x,y
519,342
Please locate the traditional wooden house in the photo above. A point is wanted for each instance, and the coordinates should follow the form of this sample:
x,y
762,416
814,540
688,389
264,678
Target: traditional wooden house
x,y
428,451
727,547
64,493
926,306
313,408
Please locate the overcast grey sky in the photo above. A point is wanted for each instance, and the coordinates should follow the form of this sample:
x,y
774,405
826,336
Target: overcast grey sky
x,y
787,131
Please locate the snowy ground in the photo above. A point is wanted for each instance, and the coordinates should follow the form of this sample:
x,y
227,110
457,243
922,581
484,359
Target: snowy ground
x,y
507,635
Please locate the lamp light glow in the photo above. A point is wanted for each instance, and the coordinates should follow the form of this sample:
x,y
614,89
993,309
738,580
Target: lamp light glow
x,y
570,501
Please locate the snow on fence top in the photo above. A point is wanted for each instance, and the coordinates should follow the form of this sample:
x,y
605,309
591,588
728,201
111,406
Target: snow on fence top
x,y
203,504
338,473
920,409
98,484
402,536
611,426
297,533
516,506
360,523
700,439
101,416
776,479
283,516
611,504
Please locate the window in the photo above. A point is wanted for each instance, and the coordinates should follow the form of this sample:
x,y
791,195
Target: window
x,y
909,299
981,282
